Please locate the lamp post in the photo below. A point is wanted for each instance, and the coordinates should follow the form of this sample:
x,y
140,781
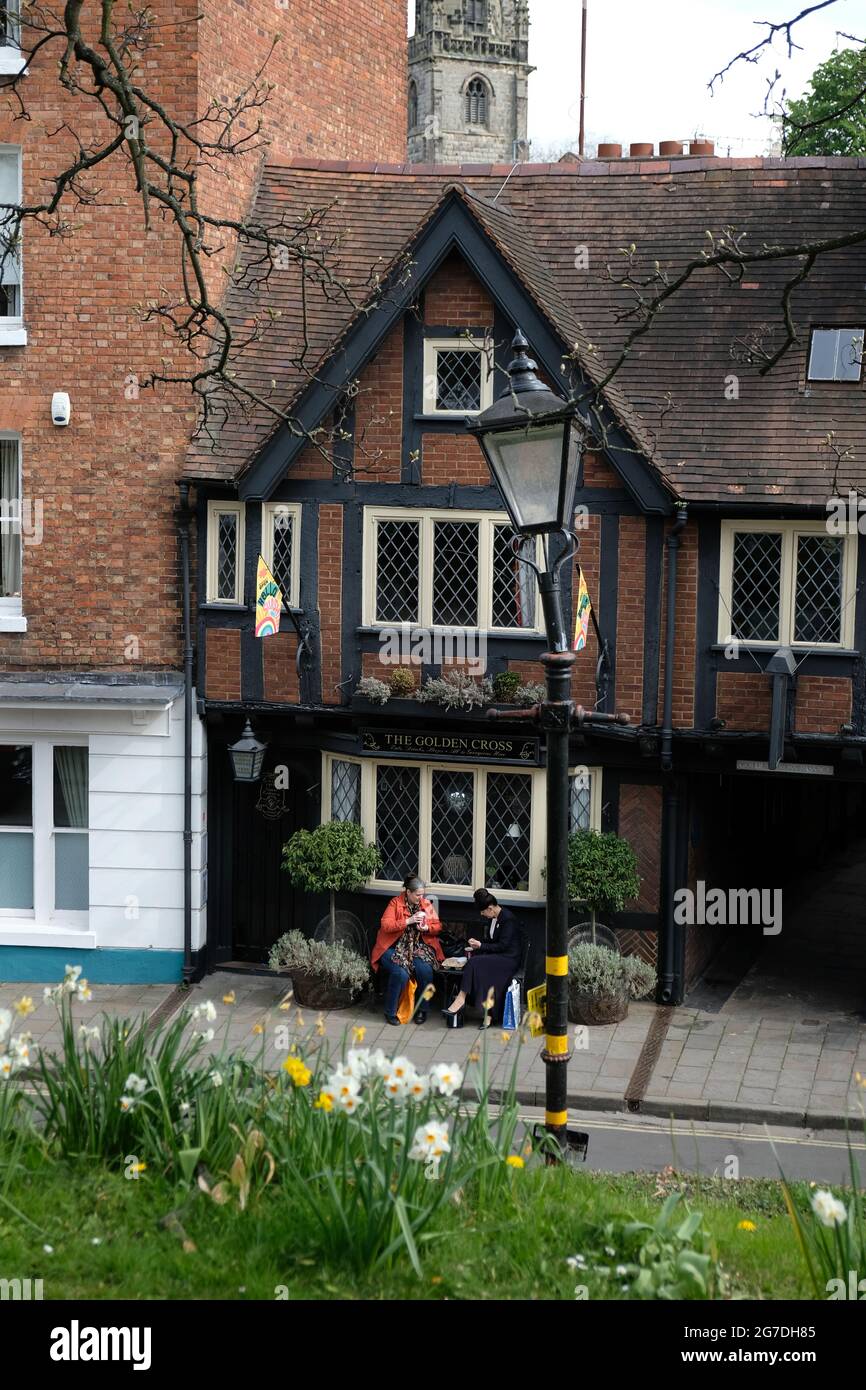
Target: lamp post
x,y
532,440
247,756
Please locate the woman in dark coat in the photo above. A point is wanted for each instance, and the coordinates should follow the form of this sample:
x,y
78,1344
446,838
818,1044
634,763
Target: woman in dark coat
x,y
492,964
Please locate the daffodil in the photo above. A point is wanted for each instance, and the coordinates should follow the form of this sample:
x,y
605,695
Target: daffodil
x,y
71,974
215,1078
5,1022
230,998
127,1104
348,1102
428,992
746,1226
88,1035
85,993
431,1140
258,1029
325,1102
417,1087
24,1006
515,1161
320,1026
137,1168
446,1077
359,1032
828,1209
135,1085
205,1010
5,1067
505,1037
20,1049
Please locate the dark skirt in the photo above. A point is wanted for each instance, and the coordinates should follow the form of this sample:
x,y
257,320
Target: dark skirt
x,y
482,973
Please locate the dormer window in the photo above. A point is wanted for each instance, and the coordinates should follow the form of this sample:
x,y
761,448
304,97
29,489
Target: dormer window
x,y
476,102
836,354
458,378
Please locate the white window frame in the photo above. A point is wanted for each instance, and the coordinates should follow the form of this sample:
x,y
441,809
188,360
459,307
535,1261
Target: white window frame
x,y
214,511
830,328
269,511
43,830
481,771
12,60
432,348
789,531
12,330
426,521
12,607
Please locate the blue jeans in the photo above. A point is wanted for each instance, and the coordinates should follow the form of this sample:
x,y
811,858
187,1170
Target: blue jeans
x,y
397,978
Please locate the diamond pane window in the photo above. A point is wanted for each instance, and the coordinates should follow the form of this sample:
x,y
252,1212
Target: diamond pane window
x,y
451,827
282,554
836,354
458,379
514,587
756,586
345,791
227,556
580,802
398,571
506,844
818,607
455,573
398,819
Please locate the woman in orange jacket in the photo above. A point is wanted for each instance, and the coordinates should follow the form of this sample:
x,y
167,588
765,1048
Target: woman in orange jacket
x,y
408,944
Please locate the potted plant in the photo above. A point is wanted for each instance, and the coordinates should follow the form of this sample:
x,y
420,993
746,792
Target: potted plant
x,y
402,682
325,975
602,873
333,858
505,687
601,982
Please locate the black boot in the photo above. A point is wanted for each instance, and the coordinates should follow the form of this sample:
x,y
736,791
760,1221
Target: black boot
x,y
453,1020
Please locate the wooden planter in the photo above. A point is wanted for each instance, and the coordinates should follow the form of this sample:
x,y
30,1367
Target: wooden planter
x,y
315,993
597,1009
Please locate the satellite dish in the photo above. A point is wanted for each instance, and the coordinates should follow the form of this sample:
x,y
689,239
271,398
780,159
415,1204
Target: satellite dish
x,y
348,930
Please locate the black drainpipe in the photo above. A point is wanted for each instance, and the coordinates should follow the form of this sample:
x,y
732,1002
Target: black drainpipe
x,y
183,521
670,981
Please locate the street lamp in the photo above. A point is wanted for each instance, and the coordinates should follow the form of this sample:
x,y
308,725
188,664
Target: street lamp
x,y
532,440
247,756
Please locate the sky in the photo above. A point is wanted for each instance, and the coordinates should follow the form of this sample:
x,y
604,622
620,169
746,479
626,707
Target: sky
x,y
649,63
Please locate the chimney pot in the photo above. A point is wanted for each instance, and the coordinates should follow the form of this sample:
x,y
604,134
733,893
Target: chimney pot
x,y
671,147
705,148
641,151
610,151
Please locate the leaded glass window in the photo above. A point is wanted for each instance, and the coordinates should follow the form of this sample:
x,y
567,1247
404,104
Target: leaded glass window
x,y
398,819
225,553
345,791
397,571
458,379
455,573
818,607
283,542
451,826
514,587
580,802
507,838
756,586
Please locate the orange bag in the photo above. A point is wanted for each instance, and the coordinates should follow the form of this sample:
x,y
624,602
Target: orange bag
x,y
407,1001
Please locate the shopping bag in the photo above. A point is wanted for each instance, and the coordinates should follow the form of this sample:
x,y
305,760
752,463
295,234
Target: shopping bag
x,y
407,1002
511,1011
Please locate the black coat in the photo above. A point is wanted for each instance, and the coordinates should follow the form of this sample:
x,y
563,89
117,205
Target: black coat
x,y
506,941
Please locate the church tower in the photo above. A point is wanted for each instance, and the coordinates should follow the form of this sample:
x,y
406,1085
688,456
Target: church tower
x,y
468,70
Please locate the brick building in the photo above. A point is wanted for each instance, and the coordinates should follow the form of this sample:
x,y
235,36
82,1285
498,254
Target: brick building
x,y
703,480
91,714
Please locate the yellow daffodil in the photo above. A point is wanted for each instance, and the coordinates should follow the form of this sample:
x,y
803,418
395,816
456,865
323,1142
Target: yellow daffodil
x,y
137,1167
359,1032
300,1018
514,1161
258,1029
320,1026
325,1102
429,991
230,997
24,1005
746,1226
505,1037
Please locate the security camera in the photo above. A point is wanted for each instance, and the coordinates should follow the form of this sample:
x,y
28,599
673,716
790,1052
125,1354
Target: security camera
x,y
61,408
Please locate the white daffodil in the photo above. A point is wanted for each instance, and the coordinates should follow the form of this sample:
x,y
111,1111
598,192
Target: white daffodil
x,y
348,1101
47,993
576,1262
135,1085
446,1077
5,1022
85,993
382,1063
184,1108
88,1035
206,1035
828,1209
20,1049
417,1087
401,1068
341,1085
206,1010
5,1067
431,1140
71,974
395,1088
127,1104
357,1063
215,1078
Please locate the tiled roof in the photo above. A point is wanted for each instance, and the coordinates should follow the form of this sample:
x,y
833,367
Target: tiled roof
x,y
760,439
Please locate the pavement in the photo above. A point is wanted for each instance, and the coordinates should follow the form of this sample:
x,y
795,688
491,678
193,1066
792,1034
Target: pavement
x,y
753,1058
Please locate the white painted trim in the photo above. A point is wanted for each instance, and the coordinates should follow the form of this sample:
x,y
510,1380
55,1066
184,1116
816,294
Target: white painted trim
x,y
789,531
214,511
25,933
12,333
269,511
8,623
432,348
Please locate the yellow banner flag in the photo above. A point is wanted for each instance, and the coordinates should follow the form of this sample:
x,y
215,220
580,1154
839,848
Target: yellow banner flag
x,y
269,601
584,610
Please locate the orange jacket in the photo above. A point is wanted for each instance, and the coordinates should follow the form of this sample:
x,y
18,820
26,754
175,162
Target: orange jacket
x,y
394,924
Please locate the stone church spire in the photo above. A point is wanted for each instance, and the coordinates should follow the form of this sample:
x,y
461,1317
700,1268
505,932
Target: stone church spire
x,y
468,70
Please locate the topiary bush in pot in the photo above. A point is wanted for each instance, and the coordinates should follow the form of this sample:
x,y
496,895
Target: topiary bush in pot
x,y
602,873
601,982
505,686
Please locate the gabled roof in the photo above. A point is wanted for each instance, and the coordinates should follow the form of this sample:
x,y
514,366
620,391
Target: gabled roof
x,y
764,442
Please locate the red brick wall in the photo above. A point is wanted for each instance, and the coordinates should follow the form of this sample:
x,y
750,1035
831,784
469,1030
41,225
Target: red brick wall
x,y
744,701
447,458
822,704
630,616
372,666
379,414
280,672
597,472
640,822
330,591
106,570
454,298
223,678
314,462
683,708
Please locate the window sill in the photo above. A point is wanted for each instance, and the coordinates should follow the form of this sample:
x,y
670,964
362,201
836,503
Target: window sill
x,y
12,623
456,415
215,607
12,337
798,648
27,933
12,62
492,634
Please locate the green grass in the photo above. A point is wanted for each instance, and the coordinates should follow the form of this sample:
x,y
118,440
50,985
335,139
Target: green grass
x,y
517,1251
